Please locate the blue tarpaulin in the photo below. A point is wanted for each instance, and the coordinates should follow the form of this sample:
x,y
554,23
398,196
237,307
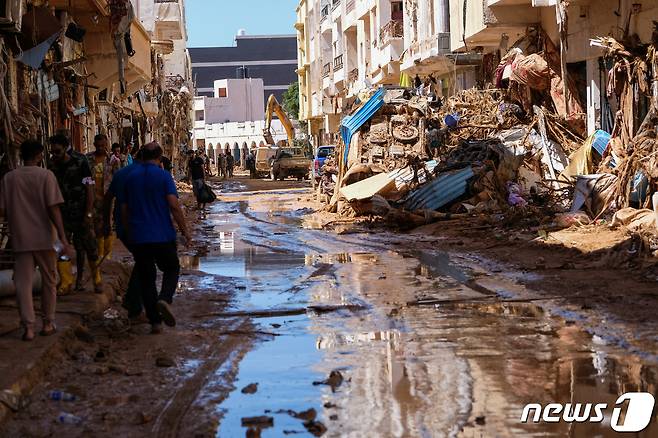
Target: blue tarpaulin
x,y
351,124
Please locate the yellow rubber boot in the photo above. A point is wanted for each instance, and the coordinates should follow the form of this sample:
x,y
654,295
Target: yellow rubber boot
x,y
100,241
109,245
65,277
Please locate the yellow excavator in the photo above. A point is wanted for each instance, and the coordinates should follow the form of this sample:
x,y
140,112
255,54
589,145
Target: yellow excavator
x,y
273,107
286,160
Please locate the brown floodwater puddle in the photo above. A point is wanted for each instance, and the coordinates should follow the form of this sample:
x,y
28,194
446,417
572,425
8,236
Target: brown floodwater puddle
x,y
465,367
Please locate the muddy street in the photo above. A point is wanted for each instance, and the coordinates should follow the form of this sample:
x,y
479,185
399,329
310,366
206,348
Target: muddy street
x,y
287,329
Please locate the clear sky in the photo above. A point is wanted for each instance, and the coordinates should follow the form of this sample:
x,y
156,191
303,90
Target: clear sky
x,y
216,22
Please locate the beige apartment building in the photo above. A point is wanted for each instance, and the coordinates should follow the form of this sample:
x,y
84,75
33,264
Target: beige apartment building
x,y
346,46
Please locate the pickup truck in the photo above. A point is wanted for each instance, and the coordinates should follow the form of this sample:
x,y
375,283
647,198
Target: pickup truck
x,y
320,155
289,161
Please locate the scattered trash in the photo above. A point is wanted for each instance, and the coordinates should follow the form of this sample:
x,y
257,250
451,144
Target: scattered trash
x,y
315,428
111,314
335,380
260,422
252,388
13,400
61,396
66,418
307,415
164,362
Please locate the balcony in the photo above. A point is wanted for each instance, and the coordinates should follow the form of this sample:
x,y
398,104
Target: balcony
x,y
326,70
101,56
428,56
349,6
338,62
392,29
335,4
324,12
168,20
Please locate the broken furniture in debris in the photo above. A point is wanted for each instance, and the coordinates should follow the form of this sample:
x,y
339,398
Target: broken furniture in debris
x,y
519,145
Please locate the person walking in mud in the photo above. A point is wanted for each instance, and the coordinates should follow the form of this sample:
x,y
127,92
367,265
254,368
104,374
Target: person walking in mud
x,y
251,164
132,300
101,171
77,186
148,201
30,200
198,176
221,165
230,164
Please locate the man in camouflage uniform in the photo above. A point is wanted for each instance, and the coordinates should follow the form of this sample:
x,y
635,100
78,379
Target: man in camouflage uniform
x,y
77,185
101,171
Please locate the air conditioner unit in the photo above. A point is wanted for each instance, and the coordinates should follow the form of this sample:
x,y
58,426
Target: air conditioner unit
x,y
11,15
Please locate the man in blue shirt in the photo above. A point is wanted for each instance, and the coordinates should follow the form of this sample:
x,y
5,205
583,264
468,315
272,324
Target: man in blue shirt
x,y
148,202
132,300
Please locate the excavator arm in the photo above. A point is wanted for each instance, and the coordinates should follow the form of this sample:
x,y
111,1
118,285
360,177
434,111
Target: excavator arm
x,y
273,107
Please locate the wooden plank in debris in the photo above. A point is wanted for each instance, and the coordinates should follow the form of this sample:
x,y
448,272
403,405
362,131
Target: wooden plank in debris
x,y
369,187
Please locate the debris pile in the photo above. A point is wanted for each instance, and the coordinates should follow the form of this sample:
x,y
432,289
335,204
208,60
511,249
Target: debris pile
x,y
518,147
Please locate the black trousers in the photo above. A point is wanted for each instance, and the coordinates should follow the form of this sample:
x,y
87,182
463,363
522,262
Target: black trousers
x,y
132,300
148,258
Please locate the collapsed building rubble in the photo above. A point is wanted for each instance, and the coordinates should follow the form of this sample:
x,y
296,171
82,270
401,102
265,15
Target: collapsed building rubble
x,y
519,145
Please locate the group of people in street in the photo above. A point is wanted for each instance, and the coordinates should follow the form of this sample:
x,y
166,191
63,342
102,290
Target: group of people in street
x,y
199,166
71,208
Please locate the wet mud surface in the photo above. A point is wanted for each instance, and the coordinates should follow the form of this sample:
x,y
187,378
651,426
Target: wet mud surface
x,y
287,330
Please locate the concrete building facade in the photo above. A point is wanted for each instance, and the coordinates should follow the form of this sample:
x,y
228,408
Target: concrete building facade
x,y
348,45
233,116
272,58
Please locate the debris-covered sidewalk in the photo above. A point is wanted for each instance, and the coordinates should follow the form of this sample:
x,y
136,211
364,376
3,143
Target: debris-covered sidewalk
x,y
514,157
24,364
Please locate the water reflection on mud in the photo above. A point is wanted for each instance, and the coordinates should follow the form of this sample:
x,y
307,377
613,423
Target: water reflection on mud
x,y
465,367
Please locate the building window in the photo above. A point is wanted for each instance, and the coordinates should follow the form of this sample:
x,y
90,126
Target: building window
x,y
221,92
199,115
397,11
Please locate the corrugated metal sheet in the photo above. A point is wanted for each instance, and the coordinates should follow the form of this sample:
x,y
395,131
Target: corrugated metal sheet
x,y
446,188
351,124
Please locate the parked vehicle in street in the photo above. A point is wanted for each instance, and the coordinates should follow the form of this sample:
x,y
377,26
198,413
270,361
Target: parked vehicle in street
x,y
320,155
290,162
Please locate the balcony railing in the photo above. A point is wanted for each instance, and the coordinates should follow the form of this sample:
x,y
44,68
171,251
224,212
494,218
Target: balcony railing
x,y
349,6
335,4
326,70
392,29
324,12
353,75
338,62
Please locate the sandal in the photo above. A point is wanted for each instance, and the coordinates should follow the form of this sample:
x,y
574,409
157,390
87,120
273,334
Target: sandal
x,y
49,332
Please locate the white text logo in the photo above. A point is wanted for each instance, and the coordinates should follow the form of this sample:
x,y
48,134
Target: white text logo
x,y
636,419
